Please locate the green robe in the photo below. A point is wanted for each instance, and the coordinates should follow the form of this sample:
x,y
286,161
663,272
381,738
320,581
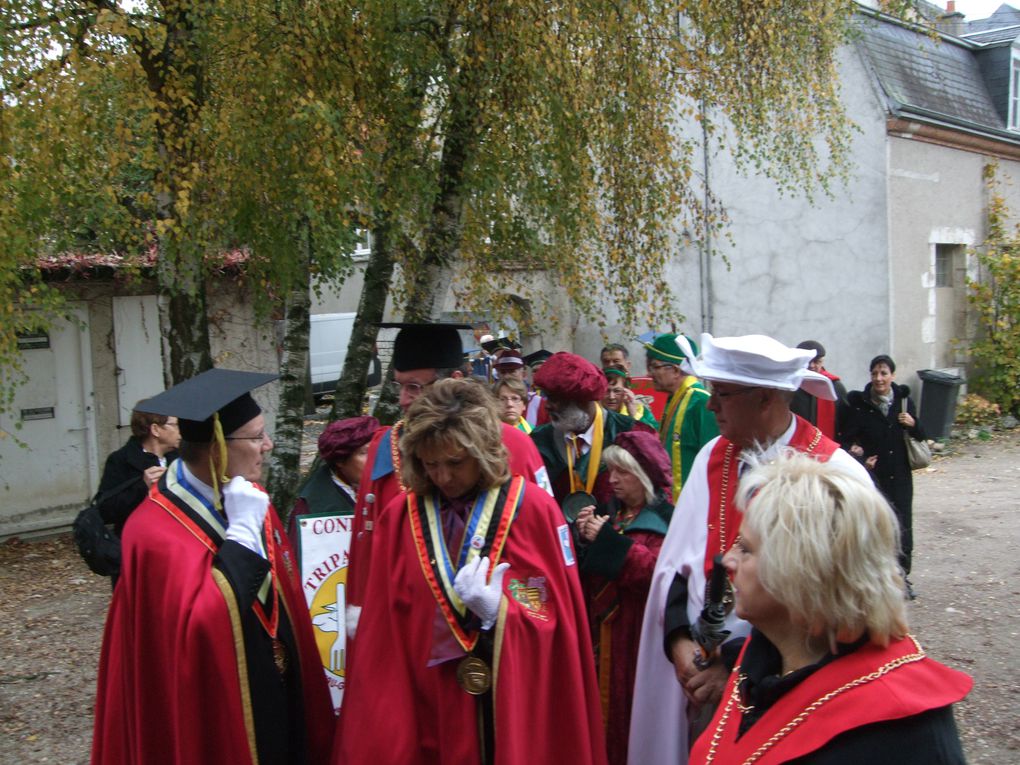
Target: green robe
x,y
690,427
644,414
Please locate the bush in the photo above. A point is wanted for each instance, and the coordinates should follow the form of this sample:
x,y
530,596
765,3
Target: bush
x,y
975,410
995,298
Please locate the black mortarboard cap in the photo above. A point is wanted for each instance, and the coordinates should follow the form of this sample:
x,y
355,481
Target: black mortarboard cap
x,y
195,401
538,357
500,343
426,346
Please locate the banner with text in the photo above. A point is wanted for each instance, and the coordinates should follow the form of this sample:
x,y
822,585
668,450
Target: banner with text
x,y
324,542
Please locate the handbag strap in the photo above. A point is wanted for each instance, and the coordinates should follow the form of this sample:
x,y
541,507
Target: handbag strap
x,y
100,498
906,431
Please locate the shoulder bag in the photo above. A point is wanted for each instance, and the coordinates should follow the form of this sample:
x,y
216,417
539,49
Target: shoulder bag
x,y
98,546
918,453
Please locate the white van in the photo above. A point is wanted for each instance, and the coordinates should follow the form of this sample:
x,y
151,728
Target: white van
x,y
329,335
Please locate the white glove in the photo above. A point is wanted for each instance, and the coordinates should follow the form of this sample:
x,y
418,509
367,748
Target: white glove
x,y
246,508
483,599
352,616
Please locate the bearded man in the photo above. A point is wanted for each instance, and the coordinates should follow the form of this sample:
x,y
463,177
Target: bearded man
x,y
579,426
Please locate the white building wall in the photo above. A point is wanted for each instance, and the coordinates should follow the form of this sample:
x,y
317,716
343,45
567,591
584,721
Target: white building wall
x,y
937,196
796,270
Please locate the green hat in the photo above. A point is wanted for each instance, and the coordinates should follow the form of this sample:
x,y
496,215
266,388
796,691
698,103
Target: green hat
x,y
664,348
613,372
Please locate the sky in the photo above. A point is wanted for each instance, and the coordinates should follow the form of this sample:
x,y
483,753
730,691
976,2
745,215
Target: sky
x,y
978,9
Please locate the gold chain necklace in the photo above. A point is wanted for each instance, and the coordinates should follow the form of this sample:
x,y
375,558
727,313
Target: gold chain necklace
x,y
395,452
723,496
803,715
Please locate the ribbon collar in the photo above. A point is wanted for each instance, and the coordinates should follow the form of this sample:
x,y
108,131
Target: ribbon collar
x,y
594,456
185,502
485,533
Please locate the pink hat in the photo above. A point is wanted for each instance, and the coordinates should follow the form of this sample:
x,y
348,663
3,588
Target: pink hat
x,y
509,358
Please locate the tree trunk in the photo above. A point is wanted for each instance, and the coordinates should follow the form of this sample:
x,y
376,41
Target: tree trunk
x,y
350,389
181,282
176,79
188,337
285,459
443,237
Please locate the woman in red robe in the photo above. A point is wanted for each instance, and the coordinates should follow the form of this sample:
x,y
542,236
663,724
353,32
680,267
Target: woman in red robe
x,y
618,551
829,674
457,666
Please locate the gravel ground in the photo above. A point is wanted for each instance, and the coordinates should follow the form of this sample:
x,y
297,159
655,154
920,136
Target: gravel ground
x,y
966,572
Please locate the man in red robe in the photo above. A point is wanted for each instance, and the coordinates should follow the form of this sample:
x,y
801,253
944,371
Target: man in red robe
x,y
579,427
208,655
422,354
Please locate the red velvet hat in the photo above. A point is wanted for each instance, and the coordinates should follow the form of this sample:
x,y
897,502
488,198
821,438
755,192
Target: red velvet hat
x,y
571,377
650,455
342,438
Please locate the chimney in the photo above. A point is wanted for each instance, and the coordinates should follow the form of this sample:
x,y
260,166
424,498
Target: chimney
x,y
952,21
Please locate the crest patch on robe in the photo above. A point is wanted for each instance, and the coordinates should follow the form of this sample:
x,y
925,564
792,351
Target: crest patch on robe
x,y
532,594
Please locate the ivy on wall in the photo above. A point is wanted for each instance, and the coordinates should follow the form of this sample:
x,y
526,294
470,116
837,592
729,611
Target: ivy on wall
x,y
995,297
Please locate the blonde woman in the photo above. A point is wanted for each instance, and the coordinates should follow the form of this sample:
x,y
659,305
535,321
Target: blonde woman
x,y
618,551
453,664
829,673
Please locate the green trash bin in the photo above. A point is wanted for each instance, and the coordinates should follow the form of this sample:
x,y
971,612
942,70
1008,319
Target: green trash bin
x,y
939,393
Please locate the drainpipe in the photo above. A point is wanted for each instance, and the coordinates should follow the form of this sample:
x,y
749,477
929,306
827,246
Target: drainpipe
x,y
705,248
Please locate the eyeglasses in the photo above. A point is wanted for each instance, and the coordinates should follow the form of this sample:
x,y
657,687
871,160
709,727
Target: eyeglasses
x,y
412,388
511,399
260,437
716,393
656,366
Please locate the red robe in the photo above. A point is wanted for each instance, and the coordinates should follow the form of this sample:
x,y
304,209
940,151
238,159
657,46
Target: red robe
x,y
724,517
870,685
380,484
616,610
826,420
172,686
399,710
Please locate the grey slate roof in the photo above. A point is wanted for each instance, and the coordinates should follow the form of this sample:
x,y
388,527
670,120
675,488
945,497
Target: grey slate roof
x,y
926,77
1004,16
992,36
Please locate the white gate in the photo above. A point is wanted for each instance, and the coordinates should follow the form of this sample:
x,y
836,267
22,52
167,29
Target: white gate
x,y
139,351
45,481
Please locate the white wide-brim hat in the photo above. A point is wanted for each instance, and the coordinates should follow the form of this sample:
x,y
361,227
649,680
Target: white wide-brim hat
x,y
755,360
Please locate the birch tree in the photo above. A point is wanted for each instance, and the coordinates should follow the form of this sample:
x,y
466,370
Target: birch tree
x,y
557,142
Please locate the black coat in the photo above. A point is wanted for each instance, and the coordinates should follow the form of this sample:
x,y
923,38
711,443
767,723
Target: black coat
x,y
882,435
319,495
129,461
